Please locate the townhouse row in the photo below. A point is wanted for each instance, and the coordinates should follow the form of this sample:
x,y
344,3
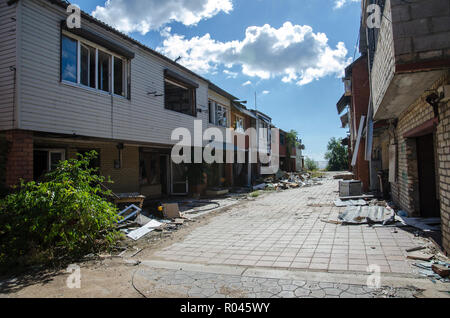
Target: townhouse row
x,y
397,100
71,90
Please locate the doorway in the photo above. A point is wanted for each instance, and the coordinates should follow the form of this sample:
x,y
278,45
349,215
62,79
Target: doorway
x,y
429,203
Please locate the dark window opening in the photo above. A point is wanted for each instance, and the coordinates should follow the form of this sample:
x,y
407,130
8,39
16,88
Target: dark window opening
x,y
179,98
87,71
104,62
118,77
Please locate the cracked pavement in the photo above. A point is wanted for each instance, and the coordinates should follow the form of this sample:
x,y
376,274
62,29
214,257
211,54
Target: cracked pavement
x,y
190,284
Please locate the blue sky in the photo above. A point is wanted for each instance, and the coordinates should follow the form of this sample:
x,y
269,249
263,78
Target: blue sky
x,y
295,87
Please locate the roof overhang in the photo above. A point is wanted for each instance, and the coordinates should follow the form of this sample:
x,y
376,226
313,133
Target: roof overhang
x,y
342,103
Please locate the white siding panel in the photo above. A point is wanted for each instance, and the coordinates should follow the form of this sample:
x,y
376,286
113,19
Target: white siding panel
x,y
51,106
7,59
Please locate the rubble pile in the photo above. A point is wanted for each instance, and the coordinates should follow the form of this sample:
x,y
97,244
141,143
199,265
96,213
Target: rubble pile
x,y
287,180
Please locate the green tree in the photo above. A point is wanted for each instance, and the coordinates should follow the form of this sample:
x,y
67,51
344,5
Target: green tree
x,y
291,142
337,155
311,165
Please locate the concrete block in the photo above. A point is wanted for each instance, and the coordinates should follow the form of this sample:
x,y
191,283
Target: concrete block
x,y
430,8
440,24
400,13
403,46
432,42
410,28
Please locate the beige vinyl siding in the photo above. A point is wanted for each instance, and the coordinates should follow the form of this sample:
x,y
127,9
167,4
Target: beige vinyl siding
x,y
51,106
7,60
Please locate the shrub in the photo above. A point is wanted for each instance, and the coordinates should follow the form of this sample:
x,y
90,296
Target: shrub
x,y
66,215
311,165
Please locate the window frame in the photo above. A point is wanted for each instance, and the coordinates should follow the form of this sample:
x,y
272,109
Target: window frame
x,y
126,77
242,129
192,91
215,119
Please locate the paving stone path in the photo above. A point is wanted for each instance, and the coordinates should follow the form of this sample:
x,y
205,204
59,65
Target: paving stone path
x,y
210,285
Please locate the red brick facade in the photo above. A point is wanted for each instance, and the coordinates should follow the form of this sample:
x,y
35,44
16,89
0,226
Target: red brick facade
x,y
19,163
359,106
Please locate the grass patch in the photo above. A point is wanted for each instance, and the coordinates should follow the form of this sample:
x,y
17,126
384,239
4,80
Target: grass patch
x,y
255,194
316,174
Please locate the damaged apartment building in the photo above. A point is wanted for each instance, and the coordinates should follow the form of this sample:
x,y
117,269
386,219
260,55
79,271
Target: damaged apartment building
x,y
71,90
398,95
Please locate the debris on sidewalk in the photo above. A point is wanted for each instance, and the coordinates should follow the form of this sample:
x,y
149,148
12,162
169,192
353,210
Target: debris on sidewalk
x,y
341,203
419,256
417,248
423,224
433,269
286,180
367,215
171,211
441,269
331,221
149,227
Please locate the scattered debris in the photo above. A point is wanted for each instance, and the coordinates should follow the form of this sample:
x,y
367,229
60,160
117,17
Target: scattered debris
x,y
441,270
171,211
331,221
144,230
363,196
420,256
424,224
261,186
427,270
347,176
417,248
367,215
341,203
348,188
134,212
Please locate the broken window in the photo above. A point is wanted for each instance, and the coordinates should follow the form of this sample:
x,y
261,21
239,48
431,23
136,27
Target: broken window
x,y
221,116
179,97
239,124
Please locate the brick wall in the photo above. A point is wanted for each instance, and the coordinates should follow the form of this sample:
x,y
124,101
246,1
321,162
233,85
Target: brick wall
x,y
359,107
421,29
384,60
126,179
405,190
19,163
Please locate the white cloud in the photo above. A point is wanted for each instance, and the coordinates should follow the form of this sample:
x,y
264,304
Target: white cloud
x,y
266,92
247,83
293,52
340,3
230,74
145,15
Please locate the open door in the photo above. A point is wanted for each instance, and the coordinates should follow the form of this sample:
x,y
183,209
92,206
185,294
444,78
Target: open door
x,y
429,203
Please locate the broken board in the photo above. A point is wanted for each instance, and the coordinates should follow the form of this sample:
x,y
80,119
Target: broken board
x,y
140,232
171,211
